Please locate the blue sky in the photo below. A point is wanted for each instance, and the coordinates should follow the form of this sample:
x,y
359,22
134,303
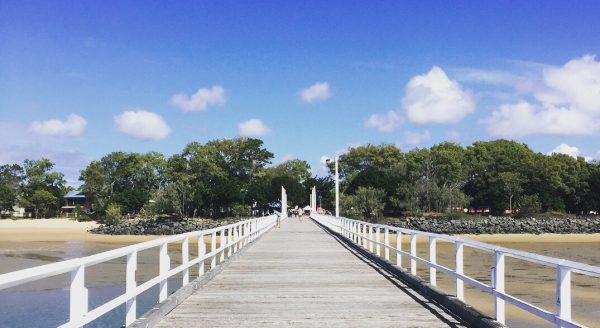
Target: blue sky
x,y
79,79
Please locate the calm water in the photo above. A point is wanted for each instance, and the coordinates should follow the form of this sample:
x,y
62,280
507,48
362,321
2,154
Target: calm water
x,y
48,300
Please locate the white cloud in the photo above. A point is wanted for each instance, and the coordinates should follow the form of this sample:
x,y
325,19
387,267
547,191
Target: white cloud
x,y
434,98
142,125
486,76
567,103
522,119
385,123
73,126
576,84
253,128
201,100
316,92
567,150
416,138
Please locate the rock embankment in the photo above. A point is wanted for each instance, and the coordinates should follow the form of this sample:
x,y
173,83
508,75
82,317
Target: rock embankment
x,y
161,226
500,225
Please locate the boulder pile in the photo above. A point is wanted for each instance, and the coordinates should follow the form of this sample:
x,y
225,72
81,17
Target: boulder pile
x,y
500,225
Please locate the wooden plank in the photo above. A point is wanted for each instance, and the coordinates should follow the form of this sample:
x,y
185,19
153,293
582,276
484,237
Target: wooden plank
x,y
300,276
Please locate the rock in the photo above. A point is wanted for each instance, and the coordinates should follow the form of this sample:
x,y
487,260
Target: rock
x,y
501,225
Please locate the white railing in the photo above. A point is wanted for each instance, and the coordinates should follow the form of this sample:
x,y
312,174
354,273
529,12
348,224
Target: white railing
x,y
232,238
361,233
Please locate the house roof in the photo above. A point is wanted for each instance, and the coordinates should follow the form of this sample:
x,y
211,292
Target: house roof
x,y
75,194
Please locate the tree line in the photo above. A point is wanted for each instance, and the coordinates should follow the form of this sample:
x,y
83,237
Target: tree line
x,y
233,177
221,178
445,178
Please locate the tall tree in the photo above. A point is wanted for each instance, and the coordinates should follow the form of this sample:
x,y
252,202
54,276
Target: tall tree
x,y
11,176
39,176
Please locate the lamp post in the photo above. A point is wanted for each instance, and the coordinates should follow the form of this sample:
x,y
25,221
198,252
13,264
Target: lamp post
x,y
337,187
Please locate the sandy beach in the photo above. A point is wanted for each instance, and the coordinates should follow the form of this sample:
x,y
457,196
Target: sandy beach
x,y
29,230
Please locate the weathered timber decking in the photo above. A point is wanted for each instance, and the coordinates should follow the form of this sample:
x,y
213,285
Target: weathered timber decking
x,y
301,276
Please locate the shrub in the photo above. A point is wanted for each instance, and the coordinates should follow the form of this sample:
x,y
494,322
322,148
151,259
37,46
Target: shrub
x,y
113,215
530,204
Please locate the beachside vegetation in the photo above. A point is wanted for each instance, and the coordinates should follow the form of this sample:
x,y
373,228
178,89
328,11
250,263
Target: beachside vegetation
x,y
235,177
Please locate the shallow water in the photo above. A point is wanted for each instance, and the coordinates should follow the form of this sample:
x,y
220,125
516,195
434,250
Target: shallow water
x,y
48,299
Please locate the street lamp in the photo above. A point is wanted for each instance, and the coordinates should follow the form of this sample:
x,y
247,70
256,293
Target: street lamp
x,y
337,187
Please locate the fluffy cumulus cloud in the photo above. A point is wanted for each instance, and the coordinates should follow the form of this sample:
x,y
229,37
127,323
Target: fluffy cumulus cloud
x,y
384,123
567,103
73,126
416,138
201,100
142,124
316,92
522,119
434,98
567,150
253,128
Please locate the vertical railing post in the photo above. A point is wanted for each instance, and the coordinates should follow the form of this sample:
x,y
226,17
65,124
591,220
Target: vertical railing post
x,y
223,246
370,237
398,248
236,236
230,241
201,254
386,243
163,269
413,253
362,231
563,293
377,240
250,231
498,285
130,285
213,246
432,259
78,301
458,249
244,232
185,259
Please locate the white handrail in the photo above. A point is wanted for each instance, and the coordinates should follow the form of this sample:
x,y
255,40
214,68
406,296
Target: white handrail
x,y
238,234
361,234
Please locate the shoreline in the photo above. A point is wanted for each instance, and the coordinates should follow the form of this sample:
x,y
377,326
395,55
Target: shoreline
x,y
60,229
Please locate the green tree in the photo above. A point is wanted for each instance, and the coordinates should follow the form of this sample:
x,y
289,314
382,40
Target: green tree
x,y
485,160
529,204
8,198
39,180
367,203
512,185
127,179
42,202
11,176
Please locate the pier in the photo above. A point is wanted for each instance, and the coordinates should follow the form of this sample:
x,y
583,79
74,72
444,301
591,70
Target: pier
x,y
323,271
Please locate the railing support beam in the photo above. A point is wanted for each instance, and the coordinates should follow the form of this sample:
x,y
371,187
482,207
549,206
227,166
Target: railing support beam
x,y
563,293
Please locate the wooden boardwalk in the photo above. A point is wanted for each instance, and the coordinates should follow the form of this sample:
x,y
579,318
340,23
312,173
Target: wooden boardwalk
x,y
301,276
